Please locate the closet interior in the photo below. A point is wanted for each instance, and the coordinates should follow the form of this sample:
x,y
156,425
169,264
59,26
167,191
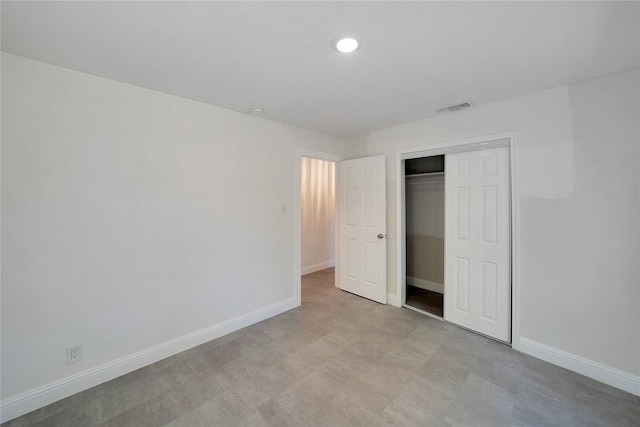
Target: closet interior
x,y
424,198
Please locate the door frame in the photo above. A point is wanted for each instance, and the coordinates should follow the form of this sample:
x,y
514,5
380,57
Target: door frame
x,y
297,215
472,144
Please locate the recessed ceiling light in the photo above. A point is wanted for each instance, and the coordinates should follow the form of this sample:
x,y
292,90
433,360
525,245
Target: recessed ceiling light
x,y
347,45
257,110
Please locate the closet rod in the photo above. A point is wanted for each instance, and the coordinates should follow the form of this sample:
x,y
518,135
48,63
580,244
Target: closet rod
x,y
425,182
418,175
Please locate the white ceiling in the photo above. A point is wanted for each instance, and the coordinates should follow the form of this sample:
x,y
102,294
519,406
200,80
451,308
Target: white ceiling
x,y
415,56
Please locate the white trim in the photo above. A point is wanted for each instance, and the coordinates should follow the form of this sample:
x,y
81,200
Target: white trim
x,y
425,284
606,374
393,300
456,146
401,265
33,399
426,313
317,267
507,139
515,246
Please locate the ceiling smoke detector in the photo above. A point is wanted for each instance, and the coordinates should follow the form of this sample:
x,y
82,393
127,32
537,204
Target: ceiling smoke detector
x,y
457,107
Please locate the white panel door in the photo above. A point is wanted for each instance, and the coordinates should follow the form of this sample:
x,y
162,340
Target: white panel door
x,y
362,225
477,278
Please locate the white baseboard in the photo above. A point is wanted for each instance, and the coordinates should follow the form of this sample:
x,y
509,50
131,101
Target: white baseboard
x,y
393,300
611,376
33,399
425,284
317,267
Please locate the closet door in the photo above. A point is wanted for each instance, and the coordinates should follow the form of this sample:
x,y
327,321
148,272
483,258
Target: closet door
x,y
477,242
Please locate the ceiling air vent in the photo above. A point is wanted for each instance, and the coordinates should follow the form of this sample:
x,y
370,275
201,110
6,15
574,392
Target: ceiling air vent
x,y
457,107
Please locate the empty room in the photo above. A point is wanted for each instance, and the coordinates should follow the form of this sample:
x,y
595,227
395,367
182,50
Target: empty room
x,y
320,213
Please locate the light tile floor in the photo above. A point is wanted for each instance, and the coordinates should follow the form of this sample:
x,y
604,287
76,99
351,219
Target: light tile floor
x,y
341,360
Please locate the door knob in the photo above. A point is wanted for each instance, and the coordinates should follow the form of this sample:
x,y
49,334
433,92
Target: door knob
x,y
380,236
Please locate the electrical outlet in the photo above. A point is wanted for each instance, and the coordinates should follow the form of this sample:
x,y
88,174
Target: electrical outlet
x,y
74,354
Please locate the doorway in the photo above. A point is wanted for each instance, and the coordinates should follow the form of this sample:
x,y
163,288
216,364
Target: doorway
x,y
317,210
424,194
300,154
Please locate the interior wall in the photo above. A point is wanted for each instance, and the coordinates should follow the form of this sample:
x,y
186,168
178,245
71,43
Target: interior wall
x,y
132,217
425,232
317,199
576,172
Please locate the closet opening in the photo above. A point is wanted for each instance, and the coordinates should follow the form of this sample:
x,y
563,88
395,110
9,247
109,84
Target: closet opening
x,y
424,234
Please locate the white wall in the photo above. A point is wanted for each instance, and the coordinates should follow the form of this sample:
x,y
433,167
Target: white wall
x,y
425,206
577,158
131,218
317,214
